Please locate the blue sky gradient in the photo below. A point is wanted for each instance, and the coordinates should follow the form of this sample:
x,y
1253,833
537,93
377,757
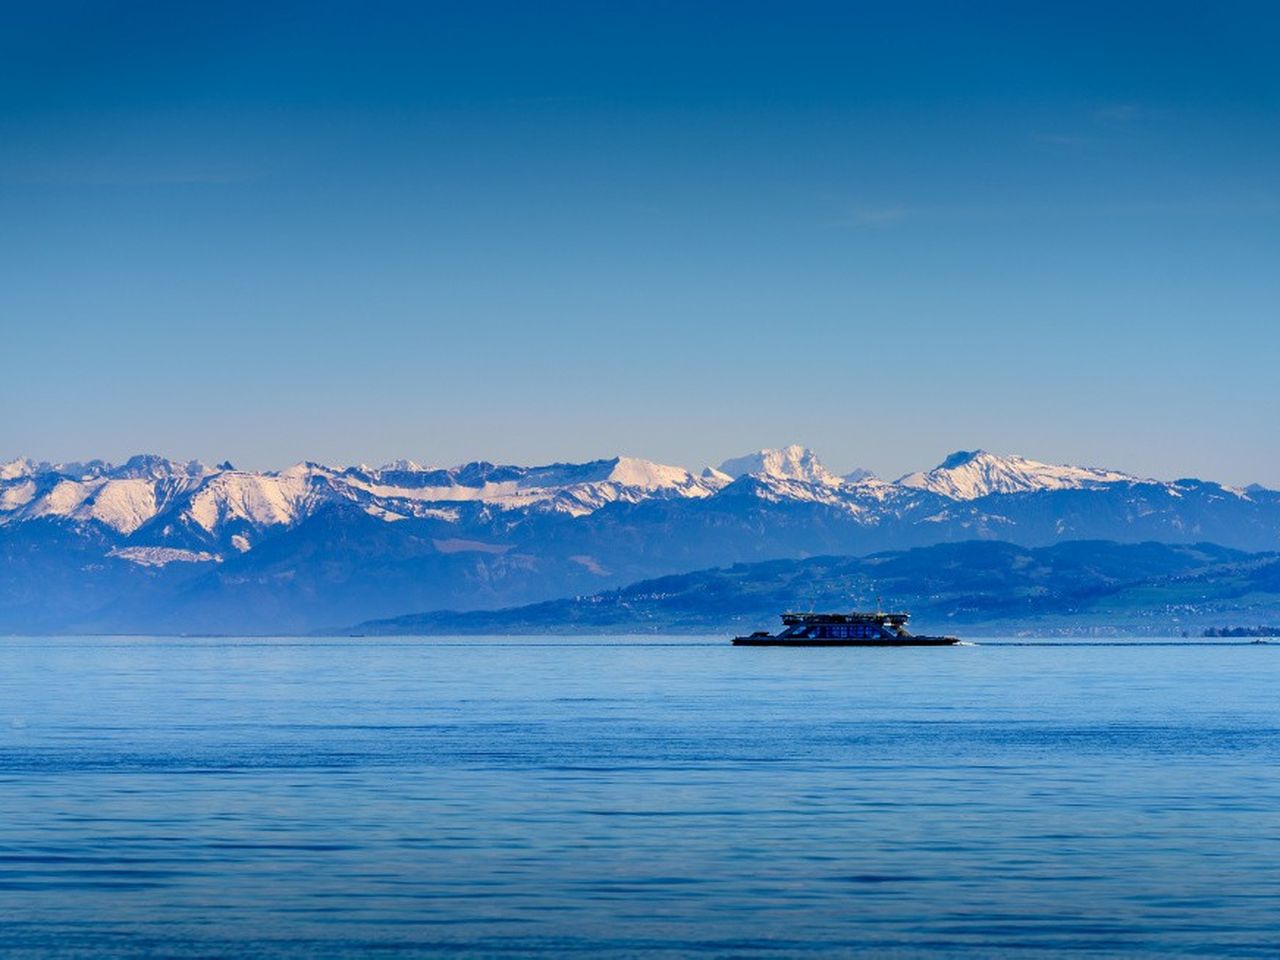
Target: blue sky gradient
x,y
528,232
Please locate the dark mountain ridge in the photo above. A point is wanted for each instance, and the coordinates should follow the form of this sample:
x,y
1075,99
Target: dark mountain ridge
x,y
1080,586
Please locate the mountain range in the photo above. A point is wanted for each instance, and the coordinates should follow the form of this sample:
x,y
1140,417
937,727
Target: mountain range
x,y
154,545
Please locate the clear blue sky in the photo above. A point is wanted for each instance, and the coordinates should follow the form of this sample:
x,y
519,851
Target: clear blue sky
x,y
527,232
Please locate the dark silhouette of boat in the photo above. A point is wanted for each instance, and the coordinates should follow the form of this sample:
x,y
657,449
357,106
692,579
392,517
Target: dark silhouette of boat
x,y
843,630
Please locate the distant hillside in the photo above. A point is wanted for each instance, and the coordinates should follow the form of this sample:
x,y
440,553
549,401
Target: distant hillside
x,y
1083,586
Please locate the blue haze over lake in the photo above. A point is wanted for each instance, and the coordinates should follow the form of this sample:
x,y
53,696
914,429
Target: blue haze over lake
x,y
212,797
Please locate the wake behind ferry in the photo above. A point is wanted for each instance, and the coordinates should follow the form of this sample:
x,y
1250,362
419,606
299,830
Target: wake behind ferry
x,y
843,630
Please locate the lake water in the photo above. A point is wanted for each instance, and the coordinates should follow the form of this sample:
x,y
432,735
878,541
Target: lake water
x,y
491,797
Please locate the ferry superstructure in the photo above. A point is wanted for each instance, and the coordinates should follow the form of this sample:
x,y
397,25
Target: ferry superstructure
x,y
843,630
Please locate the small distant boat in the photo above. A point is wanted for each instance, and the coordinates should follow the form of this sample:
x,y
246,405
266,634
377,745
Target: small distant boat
x,y
843,630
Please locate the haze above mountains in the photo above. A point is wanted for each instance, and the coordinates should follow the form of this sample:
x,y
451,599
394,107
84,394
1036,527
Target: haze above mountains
x,y
155,545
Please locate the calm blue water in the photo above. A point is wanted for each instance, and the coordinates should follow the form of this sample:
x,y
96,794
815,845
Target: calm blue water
x,y
618,798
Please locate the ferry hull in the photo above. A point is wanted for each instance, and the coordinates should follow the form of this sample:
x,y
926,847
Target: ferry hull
x,y
843,642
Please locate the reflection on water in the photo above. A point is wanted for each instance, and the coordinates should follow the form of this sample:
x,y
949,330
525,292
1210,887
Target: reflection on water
x,y
666,797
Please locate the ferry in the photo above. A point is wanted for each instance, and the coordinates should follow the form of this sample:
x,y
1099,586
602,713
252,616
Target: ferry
x,y
843,630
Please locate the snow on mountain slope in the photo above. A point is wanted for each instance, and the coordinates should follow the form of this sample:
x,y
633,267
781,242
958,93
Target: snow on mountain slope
x,y
123,505
790,463
122,498
66,497
260,500
629,481
16,469
778,489
403,465
576,489
870,501
157,502
126,497
16,494
647,475
967,475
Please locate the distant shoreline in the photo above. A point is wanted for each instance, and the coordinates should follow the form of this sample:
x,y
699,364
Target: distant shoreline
x,y
986,634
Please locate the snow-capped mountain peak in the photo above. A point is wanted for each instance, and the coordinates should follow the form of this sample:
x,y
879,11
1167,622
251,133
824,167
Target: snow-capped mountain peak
x,y
402,465
970,474
790,463
260,500
647,475
146,466
16,469
717,477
